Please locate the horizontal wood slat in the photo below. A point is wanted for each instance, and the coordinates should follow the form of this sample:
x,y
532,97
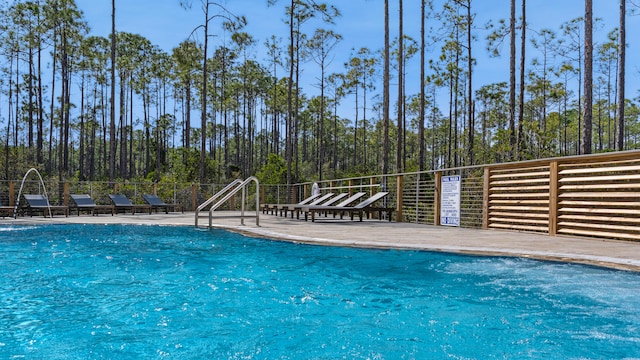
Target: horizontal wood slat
x,y
515,215
520,174
541,188
588,218
631,229
599,186
518,195
521,208
601,194
601,234
521,221
588,170
519,227
519,201
606,204
600,178
520,181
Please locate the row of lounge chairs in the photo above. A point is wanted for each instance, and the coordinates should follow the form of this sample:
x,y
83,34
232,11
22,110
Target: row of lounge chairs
x,y
317,204
36,203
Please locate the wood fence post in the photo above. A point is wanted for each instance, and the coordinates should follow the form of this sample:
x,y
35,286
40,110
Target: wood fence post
x,y
399,197
194,197
65,197
436,197
553,198
486,189
12,193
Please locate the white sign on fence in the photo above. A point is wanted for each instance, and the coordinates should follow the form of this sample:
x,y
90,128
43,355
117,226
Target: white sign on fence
x,y
450,200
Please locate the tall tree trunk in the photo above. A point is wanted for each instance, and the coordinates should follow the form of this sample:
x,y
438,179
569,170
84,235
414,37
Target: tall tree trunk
x,y
512,82
112,103
399,154
421,145
621,75
82,137
186,140
355,130
385,93
39,141
203,116
50,158
321,130
296,105
456,91
30,103
7,140
147,134
523,46
289,121
471,119
588,77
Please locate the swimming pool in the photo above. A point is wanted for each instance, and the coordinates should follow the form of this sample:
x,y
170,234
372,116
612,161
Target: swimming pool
x,y
117,291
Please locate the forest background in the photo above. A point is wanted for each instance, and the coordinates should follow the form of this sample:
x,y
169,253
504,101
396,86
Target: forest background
x,y
298,97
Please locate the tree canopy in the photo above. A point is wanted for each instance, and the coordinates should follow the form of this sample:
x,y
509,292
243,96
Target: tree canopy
x,y
262,116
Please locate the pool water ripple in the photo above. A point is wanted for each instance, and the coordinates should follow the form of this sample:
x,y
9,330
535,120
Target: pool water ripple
x,y
91,291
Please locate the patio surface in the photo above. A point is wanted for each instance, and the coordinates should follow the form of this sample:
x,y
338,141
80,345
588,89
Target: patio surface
x,y
623,255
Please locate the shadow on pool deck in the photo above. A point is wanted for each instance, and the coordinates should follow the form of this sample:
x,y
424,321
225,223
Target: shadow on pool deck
x,y
624,255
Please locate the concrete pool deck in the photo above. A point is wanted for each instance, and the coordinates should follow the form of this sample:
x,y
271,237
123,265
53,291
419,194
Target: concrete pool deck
x,y
623,255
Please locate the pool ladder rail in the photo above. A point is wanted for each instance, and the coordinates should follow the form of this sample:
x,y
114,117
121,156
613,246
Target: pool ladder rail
x,y
225,194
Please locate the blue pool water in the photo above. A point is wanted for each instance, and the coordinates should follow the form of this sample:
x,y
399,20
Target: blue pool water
x,y
122,292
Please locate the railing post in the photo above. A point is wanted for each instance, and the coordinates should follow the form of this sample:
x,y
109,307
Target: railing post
x,y
194,197
436,198
372,182
485,197
12,193
350,187
553,198
65,192
399,197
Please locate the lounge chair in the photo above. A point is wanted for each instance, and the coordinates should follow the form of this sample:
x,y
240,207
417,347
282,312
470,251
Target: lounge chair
x,y
292,207
275,207
156,203
121,202
320,208
84,202
331,201
365,207
39,203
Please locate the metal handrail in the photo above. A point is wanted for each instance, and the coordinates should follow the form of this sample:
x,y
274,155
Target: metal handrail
x,y
228,192
214,197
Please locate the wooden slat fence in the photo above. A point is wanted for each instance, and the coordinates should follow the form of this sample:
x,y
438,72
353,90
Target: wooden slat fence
x,y
518,197
597,195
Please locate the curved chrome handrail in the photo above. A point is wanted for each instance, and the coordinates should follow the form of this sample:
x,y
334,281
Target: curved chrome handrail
x,y
44,188
225,194
242,187
215,196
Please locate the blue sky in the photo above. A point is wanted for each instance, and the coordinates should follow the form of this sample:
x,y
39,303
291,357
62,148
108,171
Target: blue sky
x,y
166,24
